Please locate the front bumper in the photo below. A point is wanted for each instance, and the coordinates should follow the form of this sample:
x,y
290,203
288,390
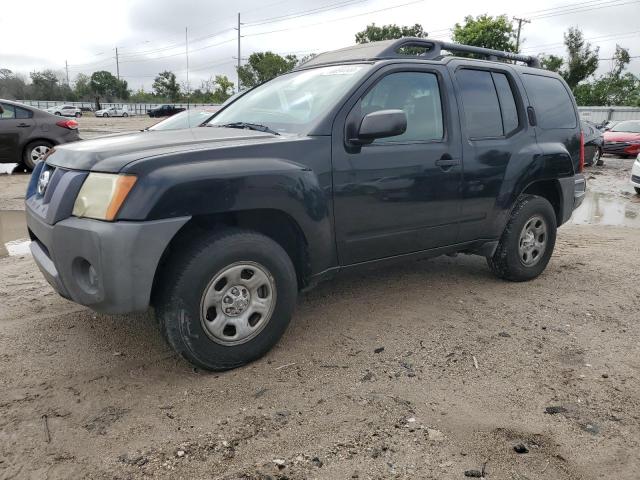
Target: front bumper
x,y
107,266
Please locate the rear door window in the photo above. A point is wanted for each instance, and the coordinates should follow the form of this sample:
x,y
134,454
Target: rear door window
x,y
9,111
23,113
551,101
507,102
481,107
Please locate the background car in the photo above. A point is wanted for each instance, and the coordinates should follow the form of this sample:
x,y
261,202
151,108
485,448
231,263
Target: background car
x,y
593,140
165,111
635,174
194,117
28,133
65,111
623,139
112,112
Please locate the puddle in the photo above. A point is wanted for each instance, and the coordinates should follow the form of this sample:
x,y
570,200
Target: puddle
x,y
14,239
608,209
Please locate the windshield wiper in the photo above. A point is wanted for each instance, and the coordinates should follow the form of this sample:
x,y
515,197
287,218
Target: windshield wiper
x,y
249,126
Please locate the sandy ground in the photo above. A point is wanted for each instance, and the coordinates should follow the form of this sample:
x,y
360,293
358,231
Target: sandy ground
x,y
90,126
422,371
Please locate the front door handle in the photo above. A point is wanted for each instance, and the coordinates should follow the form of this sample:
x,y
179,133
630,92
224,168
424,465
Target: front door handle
x,y
446,162
23,125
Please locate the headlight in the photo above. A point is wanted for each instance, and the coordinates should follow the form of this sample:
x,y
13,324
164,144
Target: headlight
x,y
102,195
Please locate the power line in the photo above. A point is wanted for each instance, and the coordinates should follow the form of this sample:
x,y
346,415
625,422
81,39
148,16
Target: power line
x,y
335,19
305,13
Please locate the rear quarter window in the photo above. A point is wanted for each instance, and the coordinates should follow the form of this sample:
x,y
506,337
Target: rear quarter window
x,y
551,101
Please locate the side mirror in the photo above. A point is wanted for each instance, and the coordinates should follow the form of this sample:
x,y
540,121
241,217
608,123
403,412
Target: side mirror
x,y
381,124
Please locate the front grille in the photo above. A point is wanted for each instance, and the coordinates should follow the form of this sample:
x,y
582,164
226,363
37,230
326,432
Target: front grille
x,y
55,202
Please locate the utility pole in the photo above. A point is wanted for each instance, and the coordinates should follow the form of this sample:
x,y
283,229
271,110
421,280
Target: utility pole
x,y
238,51
117,64
520,22
186,42
66,67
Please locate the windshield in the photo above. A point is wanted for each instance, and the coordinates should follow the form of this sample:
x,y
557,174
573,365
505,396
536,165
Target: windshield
x,y
186,119
293,102
630,126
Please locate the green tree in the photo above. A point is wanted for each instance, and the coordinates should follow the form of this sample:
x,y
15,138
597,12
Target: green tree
x,y
12,85
374,33
582,60
551,62
223,89
45,85
82,86
104,84
263,66
612,88
165,85
486,31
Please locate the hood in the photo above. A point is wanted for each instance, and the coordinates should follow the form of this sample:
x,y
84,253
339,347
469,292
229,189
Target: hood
x,y
112,153
621,136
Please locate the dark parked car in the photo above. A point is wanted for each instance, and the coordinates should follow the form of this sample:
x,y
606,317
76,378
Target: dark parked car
x,y
165,111
194,117
28,133
593,142
360,157
623,139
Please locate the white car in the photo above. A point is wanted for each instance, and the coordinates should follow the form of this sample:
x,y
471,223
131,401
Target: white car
x,y
113,112
635,174
65,111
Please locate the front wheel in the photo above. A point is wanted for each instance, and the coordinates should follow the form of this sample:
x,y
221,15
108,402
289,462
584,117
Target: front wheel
x,y
125,114
105,115
597,158
35,152
637,189
226,299
527,242
78,114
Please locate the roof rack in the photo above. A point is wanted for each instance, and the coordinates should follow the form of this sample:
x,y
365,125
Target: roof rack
x,y
392,49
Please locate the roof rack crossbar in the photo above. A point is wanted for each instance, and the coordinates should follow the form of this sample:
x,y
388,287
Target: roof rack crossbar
x,y
433,48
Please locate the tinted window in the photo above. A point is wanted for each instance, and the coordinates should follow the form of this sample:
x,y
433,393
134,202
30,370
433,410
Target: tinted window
x,y
629,126
23,113
481,107
418,95
507,102
553,105
9,111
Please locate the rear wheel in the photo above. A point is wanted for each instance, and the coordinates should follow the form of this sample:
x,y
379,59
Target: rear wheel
x,y
78,114
225,300
58,114
637,189
597,158
527,242
105,114
35,152
125,114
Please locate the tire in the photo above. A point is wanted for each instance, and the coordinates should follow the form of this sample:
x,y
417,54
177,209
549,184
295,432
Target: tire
x,y
78,114
34,152
58,114
637,189
196,328
105,115
125,114
598,158
512,260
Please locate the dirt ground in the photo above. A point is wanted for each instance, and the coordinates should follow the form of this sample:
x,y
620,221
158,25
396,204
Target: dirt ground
x,y
422,371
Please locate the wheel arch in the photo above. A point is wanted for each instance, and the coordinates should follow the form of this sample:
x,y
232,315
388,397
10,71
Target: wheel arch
x,y
275,224
550,190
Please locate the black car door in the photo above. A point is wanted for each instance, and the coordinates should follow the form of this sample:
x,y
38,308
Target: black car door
x,y
400,194
16,125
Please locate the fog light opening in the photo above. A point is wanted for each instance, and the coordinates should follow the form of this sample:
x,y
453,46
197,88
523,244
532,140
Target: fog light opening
x,y
85,275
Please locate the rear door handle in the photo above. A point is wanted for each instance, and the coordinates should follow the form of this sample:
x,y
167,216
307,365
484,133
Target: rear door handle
x,y
23,125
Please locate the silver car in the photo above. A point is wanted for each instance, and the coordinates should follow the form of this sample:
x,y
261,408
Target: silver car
x,y
65,111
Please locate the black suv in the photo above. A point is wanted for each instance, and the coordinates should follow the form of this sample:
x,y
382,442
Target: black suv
x,y
361,156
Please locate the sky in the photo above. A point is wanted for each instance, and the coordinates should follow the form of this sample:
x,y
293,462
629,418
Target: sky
x,y
150,34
